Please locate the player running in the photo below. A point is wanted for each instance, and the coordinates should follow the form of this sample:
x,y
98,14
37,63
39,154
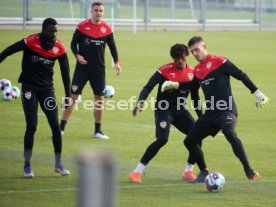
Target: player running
x,y
169,107
213,73
88,45
40,51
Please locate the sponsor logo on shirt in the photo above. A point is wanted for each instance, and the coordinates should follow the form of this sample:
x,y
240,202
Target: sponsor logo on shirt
x,y
172,75
207,81
34,58
87,41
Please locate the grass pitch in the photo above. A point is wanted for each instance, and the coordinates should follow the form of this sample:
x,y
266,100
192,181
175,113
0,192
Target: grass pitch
x,y
140,55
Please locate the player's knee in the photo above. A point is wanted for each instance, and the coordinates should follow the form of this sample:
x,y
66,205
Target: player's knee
x,y
31,128
161,141
55,127
188,142
230,134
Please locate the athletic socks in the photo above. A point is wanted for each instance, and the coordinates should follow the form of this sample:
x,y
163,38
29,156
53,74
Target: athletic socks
x,y
62,125
97,127
189,167
27,156
57,158
139,168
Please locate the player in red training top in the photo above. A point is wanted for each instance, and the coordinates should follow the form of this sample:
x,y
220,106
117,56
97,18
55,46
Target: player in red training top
x,y
88,45
40,51
170,107
213,73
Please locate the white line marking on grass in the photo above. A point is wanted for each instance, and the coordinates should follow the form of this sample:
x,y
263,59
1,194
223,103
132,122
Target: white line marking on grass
x,y
128,186
41,114
37,191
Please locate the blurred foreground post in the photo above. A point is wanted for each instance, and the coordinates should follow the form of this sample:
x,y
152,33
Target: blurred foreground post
x,y
97,178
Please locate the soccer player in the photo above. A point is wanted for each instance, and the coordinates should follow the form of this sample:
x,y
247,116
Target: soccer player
x,y
213,73
40,51
88,45
169,107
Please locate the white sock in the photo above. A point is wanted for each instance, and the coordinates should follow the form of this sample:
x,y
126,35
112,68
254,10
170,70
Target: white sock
x,y
139,168
189,167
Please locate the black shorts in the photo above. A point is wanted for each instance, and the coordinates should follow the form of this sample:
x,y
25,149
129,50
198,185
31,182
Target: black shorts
x,y
80,78
211,124
182,120
31,96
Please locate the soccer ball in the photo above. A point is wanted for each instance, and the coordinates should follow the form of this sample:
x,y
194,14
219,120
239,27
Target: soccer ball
x,y
8,94
4,83
109,91
16,91
215,182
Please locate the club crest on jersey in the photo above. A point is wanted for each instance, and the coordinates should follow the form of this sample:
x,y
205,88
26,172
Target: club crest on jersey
x,y
103,29
28,95
163,124
190,76
209,65
55,50
74,88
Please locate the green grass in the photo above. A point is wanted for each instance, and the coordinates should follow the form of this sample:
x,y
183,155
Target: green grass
x,y
140,55
62,9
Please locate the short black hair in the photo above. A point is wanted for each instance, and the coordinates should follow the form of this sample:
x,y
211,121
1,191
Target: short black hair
x,y
194,40
97,3
178,50
48,21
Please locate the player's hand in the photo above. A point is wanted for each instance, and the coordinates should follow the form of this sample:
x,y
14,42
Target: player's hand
x,y
118,68
81,59
138,108
261,99
168,85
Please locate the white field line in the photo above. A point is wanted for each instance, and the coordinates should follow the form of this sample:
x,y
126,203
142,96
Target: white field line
x,y
126,187
42,114
124,123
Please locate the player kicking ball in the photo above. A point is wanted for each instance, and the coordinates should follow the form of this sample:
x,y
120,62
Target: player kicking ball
x,y
213,73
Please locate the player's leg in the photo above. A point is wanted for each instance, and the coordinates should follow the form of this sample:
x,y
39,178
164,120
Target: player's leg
x,y
78,83
184,122
227,122
49,106
162,122
200,130
30,106
98,85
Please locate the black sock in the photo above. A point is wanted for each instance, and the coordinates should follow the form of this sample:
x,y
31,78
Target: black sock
x,y
62,125
97,127
27,157
27,164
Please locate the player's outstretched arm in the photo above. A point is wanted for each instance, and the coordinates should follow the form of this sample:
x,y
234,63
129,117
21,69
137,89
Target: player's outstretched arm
x,y
261,99
155,79
16,47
